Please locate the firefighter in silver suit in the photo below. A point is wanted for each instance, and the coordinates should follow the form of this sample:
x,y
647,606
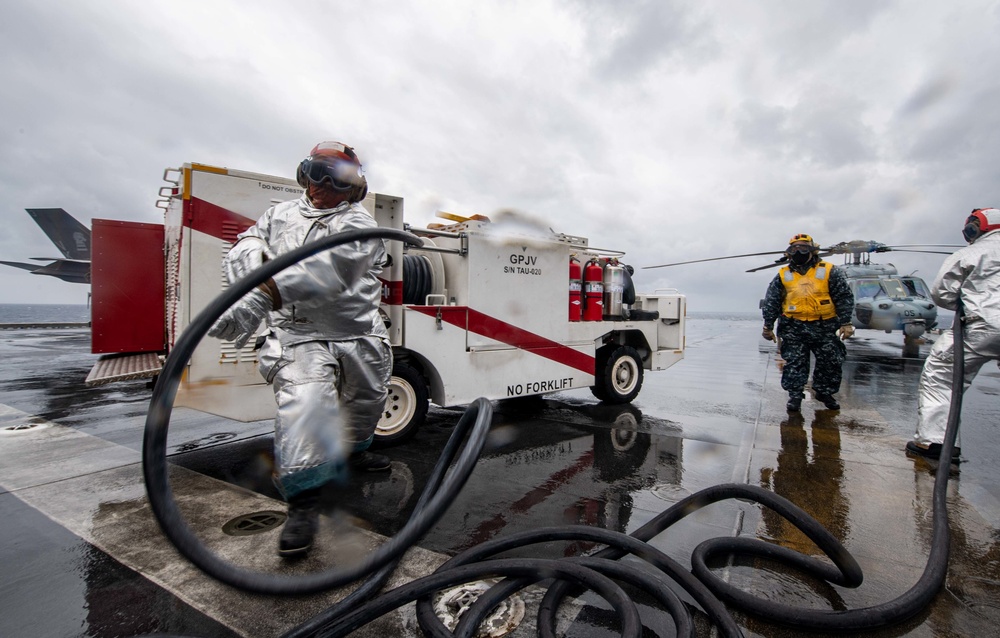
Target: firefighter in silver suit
x,y
326,351
971,275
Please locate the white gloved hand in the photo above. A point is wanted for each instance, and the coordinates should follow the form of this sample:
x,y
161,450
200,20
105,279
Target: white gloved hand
x,y
245,256
768,334
846,331
242,320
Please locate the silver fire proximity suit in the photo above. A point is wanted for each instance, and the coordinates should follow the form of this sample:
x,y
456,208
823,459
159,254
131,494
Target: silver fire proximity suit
x,y
327,352
972,273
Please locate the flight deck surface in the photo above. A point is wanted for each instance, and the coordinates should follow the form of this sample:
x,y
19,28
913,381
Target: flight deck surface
x,y
84,557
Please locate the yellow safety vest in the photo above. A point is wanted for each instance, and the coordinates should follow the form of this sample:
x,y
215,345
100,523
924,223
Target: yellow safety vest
x,y
807,297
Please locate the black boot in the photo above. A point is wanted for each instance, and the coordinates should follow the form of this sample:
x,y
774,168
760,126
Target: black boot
x,y
794,404
828,401
368,462
933,451
301,525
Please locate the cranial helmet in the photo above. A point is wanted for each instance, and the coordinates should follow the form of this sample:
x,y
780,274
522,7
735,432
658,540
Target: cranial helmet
x,y
802,238
802,250
335,164
980,222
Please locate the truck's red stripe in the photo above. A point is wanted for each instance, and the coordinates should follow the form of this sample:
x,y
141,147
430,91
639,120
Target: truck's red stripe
x,y
224,224
216,221
481,324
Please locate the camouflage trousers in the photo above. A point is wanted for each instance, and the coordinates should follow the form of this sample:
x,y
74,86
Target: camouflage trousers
x,y
799,339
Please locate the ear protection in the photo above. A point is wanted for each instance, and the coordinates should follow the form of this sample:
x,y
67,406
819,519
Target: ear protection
x,y
980,222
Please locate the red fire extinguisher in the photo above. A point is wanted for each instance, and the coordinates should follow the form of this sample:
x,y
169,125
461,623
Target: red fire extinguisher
x,y
575,289
593,291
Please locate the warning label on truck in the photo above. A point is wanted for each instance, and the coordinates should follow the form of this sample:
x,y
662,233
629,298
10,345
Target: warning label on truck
x,y
280,188
537,387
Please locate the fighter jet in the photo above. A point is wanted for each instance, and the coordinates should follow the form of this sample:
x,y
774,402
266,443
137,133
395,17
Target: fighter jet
x,y
71,238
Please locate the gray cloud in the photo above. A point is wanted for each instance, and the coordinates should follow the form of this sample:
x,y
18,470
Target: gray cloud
x,y
627,39
821,128
670,130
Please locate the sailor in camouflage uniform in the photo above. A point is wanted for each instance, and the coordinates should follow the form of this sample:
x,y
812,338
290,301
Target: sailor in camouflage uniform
x,y
814,303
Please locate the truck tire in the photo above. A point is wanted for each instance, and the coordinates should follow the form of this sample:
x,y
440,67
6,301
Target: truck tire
x,y
618,377
405,406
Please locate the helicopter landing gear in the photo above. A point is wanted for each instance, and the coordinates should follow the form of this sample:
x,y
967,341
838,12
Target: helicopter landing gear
x,y
911,346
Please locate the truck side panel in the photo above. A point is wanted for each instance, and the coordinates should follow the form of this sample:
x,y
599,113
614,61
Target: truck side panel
x,y
504,364
215,205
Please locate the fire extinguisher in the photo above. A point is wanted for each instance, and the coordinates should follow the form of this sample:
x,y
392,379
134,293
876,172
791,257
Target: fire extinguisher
x,y
614,287
575,289
593,291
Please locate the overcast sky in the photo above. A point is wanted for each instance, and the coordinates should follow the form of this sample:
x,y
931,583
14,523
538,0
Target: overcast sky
x,y
670,130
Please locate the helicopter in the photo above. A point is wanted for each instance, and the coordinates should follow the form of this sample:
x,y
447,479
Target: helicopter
x,y
883,299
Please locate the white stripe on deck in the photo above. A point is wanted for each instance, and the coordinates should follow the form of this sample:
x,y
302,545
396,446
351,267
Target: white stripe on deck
x,y
95,489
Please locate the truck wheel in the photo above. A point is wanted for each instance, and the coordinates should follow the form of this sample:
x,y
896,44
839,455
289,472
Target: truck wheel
x,y
618,377
405,407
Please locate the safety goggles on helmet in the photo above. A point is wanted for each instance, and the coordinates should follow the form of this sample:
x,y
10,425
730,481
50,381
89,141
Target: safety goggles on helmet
x,y
980,222
342,175
804,249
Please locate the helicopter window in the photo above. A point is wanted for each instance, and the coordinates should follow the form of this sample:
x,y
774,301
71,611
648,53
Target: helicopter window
x,y
917,287
869,288
895,288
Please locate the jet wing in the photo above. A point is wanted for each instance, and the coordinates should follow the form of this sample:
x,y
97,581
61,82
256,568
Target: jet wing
x,y
21,265
73,271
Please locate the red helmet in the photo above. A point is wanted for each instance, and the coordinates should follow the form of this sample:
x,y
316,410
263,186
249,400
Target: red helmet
x,y
336,164
980,222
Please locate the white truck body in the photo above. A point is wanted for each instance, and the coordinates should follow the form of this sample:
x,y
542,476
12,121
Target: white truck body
x,y
491,319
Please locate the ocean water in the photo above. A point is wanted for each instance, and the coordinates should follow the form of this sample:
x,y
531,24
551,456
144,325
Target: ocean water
x,y
22,313
725,316
26,313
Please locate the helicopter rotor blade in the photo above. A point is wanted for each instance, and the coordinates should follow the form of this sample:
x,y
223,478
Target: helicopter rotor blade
x,y
855,247
926,246
697,261
782,262
765,267
930,252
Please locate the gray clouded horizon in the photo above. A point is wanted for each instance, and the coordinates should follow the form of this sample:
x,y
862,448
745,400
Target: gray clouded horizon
x,y
670,130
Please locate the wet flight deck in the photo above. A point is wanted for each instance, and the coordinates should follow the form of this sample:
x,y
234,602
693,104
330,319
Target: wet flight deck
x,y
82,555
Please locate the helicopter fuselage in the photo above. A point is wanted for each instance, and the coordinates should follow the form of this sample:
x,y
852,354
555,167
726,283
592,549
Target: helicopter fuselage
x,y
884,300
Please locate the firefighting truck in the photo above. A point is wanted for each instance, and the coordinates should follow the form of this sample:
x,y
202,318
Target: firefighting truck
x,y
496,308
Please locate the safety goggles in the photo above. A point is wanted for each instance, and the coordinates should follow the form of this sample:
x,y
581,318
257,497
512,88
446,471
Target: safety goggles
x,y
802,249
340,174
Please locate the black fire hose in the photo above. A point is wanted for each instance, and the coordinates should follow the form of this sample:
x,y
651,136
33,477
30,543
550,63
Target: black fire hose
x,y
597,572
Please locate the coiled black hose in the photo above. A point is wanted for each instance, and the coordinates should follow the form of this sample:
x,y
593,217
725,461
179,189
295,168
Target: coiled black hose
x,y
591,572
418,279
